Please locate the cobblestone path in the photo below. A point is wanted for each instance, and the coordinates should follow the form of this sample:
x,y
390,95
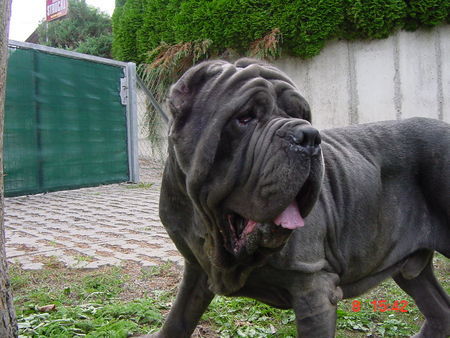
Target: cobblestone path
x,y
89,227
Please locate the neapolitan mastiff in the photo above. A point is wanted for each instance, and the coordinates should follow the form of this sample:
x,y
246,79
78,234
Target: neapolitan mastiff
x,y
261,205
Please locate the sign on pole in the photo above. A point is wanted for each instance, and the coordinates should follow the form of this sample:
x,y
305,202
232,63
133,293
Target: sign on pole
x,y
56,9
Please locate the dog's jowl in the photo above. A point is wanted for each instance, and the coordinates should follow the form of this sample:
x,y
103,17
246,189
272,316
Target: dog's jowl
x,y
262,205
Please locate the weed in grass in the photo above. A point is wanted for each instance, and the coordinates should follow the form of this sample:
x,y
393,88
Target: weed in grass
x,y
102,286
18,277
82,260
157,270
52,243
163,299
51,262
240,317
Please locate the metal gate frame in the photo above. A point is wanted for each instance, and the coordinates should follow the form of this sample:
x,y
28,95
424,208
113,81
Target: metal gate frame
x,y
127,93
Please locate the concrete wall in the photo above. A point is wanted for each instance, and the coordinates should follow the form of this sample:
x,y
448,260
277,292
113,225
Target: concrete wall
x,y
405,75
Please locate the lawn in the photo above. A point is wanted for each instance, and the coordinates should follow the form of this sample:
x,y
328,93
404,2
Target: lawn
x,y
131,300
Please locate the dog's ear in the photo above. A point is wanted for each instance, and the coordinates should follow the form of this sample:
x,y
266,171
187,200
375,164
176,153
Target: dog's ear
x,y
182,94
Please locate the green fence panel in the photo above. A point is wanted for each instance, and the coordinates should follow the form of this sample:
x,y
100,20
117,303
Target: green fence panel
x,y
20,157
65,126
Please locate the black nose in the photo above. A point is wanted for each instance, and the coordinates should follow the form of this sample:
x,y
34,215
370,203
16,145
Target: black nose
x,y
305,137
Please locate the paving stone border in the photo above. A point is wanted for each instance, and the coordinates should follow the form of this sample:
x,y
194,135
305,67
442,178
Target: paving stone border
x,y
90,227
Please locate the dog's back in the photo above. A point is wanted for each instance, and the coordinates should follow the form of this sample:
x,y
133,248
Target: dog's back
x,y
409,162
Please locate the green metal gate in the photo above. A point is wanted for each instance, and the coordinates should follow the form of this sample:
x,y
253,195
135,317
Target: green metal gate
x,y
66,125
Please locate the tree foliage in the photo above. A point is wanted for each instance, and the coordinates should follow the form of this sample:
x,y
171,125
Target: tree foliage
x,y
96,45
305,25
85,30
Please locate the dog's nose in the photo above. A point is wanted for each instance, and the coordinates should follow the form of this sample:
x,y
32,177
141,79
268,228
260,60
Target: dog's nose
x,y
305,137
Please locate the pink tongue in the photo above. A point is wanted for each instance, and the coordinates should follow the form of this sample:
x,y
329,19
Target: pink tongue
x,y
290,218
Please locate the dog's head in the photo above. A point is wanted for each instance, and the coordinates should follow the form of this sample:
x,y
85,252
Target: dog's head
x,y
241,134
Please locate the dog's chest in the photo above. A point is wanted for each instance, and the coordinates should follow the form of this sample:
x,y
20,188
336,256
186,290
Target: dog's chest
x,y
267,287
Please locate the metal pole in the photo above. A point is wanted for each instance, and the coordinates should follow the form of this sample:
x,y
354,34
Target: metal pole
x,y
153,101
132,125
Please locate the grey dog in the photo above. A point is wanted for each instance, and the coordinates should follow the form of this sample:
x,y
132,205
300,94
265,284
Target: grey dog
x,y
262,205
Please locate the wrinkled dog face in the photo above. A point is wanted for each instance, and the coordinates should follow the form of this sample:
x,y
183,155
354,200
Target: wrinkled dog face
x,y
253,164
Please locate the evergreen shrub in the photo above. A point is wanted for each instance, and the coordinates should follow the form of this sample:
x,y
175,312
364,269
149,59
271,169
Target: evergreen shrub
x,y
140,26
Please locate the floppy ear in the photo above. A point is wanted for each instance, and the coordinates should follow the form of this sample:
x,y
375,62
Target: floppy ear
x,y
182,93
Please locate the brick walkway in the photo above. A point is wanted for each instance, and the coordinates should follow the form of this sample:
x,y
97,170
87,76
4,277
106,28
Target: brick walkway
x,y
90,227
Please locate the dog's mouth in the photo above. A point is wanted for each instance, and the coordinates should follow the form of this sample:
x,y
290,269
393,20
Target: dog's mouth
x,y
244,236
244,233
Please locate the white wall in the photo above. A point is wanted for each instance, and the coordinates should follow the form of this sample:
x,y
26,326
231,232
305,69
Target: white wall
x,y
407,74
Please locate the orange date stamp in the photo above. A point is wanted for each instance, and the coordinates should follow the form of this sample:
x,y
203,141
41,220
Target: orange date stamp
x,y
382,306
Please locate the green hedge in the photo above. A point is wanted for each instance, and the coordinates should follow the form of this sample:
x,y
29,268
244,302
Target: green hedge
x,y
140,26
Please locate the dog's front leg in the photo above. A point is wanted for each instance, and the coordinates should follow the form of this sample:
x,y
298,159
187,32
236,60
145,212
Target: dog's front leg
x,y
315,302
192,300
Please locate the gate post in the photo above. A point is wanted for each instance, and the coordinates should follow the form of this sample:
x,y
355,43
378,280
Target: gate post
x,y
132,125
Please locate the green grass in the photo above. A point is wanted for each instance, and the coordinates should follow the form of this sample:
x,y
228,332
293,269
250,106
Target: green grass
x,y
88,304
240,317
131,300
92,320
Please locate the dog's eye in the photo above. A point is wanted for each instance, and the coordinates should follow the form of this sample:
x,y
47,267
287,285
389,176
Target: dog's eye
x,y
245,119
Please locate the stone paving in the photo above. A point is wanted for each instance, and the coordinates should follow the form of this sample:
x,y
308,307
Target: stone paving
x,y
90,227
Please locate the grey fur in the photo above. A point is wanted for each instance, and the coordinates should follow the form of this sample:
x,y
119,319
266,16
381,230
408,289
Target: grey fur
x,y
376,197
